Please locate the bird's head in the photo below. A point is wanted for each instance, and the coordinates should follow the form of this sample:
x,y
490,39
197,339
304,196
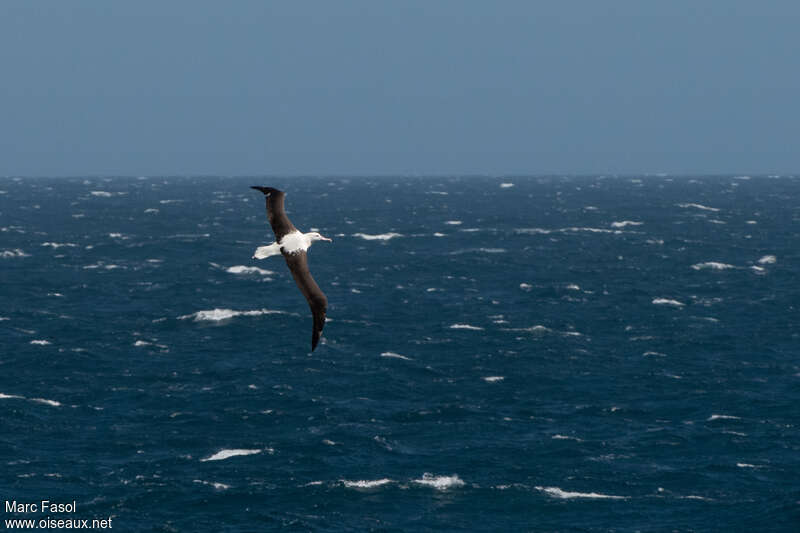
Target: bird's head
x,y
317,237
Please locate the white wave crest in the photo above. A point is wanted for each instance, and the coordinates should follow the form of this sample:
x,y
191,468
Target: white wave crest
x,y
242,269
440,482
453,222
226,454
395,356
667,301
506,185
493,379
768,260
565,437
713,265
624,223
218,486
466,326
573,229
10,397
46,402
366,484
59,244
380,237
16,252
103,194
40,342
699,206
102,265
563,494
722,417
216,315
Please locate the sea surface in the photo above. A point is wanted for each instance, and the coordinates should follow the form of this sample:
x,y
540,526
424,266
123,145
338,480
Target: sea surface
x,y
546,353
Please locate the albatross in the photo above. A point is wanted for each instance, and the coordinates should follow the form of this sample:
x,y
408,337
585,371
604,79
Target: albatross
x,y
293,245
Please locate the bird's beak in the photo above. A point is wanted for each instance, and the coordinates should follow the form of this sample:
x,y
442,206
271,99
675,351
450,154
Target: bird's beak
x,y
327,239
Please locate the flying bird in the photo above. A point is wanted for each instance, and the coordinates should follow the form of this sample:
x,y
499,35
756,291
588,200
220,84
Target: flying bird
x,y
293,244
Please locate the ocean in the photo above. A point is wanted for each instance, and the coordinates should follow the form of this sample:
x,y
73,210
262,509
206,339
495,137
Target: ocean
x,y
546,353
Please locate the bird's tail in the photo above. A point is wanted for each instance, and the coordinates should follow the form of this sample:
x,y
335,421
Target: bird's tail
x,y
266,190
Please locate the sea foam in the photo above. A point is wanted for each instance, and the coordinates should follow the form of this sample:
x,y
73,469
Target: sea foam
x,y
563,494
713,265
228,453
699,206
624,223
242,269
395,356
667,301
440,482
216,315
16,252
366,484
380,237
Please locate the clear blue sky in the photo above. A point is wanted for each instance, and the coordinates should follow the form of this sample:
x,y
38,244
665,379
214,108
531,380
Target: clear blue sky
x,y
401,87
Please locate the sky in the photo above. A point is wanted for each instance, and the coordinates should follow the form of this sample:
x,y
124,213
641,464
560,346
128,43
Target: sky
x,y
398,87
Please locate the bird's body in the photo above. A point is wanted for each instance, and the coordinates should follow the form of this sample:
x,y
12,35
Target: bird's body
x,y
293,245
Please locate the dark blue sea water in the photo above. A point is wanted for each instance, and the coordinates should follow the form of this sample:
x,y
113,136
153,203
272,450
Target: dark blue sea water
x,y
502,354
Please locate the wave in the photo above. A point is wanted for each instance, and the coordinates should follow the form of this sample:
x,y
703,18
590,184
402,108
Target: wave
x,y
713,265
453,222
566,437
699,206
624,223
506,185
40,342
768,260
722,417
395,356
242,269
366,484
218,486
380,237
102,194
466,326
493,379
228,453
667,301
482,250
102,265
217,315
16,252
439,482
44,401
566,495
573,229
57,245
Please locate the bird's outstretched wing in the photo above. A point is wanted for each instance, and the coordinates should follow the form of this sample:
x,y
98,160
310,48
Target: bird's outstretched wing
x,y
281,225
298,264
